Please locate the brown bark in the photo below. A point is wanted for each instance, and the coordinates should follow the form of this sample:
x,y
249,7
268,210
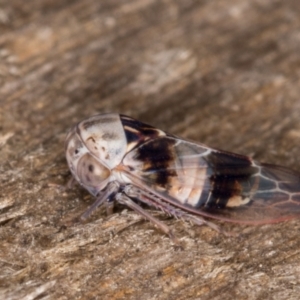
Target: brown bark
x,y
224,73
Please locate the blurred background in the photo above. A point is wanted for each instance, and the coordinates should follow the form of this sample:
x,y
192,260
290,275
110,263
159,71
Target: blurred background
x,y
225,73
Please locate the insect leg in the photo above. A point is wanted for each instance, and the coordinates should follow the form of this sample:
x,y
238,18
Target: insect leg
x,y
107,195
200,221
71,182
152,200
109,205
125,200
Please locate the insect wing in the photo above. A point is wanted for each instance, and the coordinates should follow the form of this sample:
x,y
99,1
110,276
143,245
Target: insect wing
x,y
213,183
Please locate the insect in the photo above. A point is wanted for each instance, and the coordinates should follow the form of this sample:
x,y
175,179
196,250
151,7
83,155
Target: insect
x,y
117,158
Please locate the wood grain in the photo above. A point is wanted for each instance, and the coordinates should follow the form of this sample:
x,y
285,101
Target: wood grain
x,y
225,73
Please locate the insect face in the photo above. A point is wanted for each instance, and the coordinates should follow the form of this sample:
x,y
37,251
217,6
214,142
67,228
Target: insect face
x,y
93,148
86,169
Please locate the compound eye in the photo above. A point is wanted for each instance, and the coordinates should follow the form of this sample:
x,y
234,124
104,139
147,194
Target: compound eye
x,y
91,172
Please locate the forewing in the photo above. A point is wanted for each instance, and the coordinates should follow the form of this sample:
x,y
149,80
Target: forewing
x,y
213,183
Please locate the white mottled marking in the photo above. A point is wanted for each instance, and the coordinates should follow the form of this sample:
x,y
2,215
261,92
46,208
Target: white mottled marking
x,y
237,201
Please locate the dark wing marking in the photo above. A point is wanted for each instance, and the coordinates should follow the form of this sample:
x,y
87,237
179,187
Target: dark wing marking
x,y
137,132
214,183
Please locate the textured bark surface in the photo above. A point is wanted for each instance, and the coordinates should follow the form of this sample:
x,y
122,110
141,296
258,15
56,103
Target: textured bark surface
x,y
225,73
